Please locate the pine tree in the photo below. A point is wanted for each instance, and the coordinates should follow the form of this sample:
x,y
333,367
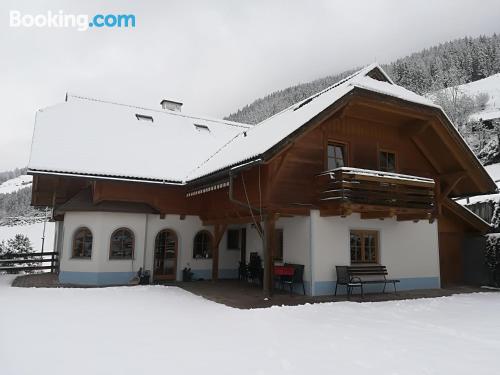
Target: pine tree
x,y
495,220
21,245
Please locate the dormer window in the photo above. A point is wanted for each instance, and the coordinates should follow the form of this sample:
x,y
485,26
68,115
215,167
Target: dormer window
x,y
144,117
202,128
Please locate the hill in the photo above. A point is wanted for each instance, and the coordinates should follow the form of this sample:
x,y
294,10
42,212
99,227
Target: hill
x,y
445,65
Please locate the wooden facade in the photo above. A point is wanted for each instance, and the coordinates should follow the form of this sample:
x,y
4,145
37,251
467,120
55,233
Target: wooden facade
x,y
290,179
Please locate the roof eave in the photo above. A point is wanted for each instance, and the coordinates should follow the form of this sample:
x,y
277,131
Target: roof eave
x,y
33,171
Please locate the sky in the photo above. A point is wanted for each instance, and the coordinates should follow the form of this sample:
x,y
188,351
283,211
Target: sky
x,y
214,56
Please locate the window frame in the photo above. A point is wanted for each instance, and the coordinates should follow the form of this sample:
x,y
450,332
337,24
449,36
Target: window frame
x,y
363,233
132,255
210,242
278,244
379,159
73,244
238,231
334,142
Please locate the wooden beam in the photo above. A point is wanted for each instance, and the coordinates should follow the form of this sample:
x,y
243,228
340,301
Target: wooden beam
x,y
218,233
452,180
228,220
427,154
389,104
378,214
412,217
270,226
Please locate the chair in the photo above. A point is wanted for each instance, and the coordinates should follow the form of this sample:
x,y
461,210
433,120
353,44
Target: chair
x,y
255,268
297,278
243,271
343,278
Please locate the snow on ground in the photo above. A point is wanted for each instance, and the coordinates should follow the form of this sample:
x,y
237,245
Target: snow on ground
x,y
15,184
34,233
158,329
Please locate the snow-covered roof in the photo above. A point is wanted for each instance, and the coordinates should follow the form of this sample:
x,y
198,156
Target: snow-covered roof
x,y
486,115
86,136
268,133
494,172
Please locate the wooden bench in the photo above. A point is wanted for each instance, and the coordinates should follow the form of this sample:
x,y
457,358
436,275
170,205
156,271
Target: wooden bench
x,y
357,276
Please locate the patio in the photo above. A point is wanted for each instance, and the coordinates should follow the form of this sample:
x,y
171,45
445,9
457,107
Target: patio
x,y
244,295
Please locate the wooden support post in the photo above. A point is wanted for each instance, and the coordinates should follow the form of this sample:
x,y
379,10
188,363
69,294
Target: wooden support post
x,y
219,230
268,242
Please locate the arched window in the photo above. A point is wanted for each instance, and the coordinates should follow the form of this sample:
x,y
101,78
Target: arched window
x,y
202,246
122,244
82,243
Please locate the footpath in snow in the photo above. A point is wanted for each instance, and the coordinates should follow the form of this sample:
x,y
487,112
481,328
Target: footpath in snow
x,y
158,329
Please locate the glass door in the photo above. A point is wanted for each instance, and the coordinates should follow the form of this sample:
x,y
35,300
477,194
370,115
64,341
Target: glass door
x,y
165,261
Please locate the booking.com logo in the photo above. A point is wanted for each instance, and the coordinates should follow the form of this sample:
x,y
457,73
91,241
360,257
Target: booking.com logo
x,y
82,22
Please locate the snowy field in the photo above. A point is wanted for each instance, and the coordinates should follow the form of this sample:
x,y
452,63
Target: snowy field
x,y
34,233
165,330
15,184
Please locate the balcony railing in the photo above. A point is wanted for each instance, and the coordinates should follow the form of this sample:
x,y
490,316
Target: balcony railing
x,y
375,188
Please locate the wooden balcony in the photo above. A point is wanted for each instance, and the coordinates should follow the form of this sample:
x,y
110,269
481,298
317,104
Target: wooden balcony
x,y
375,194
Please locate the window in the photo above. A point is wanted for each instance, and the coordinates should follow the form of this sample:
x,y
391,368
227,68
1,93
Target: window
x,y
202,247
278,244
387,161
202,128
82,243
122,244
144,117
364,246
336,155
233,239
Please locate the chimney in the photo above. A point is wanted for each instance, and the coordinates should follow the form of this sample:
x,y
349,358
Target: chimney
x,y
171,105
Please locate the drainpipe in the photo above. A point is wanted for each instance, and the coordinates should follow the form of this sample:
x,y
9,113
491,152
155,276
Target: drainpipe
x,y
236,201
145,245
262,235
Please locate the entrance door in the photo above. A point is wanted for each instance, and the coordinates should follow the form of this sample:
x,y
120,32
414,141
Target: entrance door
x,y
165,262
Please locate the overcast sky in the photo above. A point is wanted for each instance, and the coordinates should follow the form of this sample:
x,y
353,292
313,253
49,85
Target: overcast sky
x,y
215,56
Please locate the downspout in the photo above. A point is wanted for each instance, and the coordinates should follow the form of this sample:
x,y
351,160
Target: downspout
x,y
145,244
236,201
252,210
232,173
311,252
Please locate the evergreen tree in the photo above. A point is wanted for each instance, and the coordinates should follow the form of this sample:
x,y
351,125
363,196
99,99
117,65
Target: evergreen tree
x,y
495,220
449,64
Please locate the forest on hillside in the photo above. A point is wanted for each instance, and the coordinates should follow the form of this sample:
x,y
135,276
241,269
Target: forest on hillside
x,y
445,65
8,175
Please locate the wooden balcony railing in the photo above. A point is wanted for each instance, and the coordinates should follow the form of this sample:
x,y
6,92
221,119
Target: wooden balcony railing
x,y
376,188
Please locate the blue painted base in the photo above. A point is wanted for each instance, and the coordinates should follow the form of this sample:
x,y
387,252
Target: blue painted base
x,y
322,288
95,278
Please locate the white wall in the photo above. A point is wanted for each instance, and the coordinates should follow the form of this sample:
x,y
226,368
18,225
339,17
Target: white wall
x,y
102,225
409,250
296,242
145,228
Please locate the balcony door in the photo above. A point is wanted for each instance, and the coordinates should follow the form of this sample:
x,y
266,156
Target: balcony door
x,y
165,256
